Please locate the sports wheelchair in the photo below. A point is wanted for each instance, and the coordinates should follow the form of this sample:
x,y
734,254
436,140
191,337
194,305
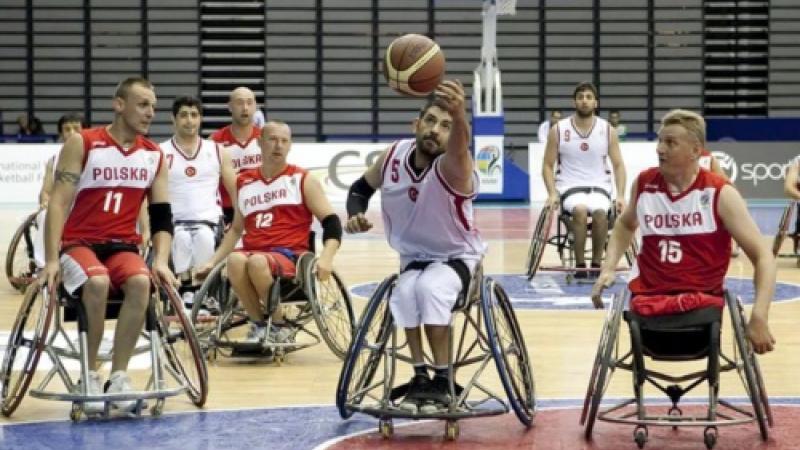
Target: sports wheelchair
x,y
563,240
484,328
783,232
303,297
176,361
684,337
20,262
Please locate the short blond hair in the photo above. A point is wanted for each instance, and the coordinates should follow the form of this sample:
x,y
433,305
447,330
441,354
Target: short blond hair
x,y
692,122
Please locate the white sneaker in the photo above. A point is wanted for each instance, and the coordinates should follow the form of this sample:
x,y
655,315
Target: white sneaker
x,y
256,335
120,383
188,300
280,334
93,388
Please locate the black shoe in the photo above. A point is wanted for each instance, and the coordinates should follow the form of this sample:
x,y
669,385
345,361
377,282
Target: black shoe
x,y
580,272
416,394
596,272
437,396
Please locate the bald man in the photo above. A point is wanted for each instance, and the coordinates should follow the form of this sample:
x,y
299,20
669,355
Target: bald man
x,y
239,139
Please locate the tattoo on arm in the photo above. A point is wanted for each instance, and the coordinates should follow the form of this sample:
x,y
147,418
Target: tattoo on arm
x,y
67,177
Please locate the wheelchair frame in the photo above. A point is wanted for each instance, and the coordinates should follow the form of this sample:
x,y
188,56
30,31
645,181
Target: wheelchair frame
x,y
166,328
563,241
487,312
608,359
304,292
21,273
783,233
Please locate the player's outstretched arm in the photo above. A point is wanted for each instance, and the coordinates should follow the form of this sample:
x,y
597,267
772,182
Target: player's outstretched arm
x,y
457,164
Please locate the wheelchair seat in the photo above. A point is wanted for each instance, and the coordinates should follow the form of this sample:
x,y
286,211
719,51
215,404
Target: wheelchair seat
x,y
677,337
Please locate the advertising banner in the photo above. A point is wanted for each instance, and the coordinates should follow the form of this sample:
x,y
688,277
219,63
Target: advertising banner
x,y
489,161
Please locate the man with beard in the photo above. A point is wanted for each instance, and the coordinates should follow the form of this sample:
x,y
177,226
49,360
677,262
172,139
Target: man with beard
x,y
239,139
427,186
582,144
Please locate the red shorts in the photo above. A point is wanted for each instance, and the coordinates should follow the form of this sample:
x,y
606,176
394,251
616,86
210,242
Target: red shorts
x,y
80,262
279,264
662,305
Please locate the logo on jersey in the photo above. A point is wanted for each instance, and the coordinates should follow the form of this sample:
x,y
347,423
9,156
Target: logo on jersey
x,y
190,171
705,199
487,160
727,164
584,146
413,193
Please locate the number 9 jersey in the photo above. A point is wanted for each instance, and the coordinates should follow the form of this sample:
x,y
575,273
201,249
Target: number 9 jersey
x,y
111,189
685,245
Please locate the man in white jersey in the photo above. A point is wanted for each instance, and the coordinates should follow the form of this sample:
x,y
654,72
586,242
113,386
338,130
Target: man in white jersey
x,y
687,214
582,144
544,127
102,177
427,185
196,167
239,139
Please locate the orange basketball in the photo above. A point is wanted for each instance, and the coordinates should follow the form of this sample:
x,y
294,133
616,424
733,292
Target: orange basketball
x,y
413,65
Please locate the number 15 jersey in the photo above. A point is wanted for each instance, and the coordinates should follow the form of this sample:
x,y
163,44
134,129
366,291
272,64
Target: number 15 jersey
x,y
111,189
685,245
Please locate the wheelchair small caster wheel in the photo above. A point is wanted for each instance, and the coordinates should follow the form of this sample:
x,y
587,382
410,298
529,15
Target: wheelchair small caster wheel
x,y
451,430
386,428
640,436
675,414
158,408
710,437
75,412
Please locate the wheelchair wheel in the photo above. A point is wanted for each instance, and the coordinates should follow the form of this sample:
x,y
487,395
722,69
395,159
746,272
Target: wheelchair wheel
x,y
631,252
508,350
25,346
20,266
748,368
181,346
783,228
332,309
366,351
603,365
215,289
539,241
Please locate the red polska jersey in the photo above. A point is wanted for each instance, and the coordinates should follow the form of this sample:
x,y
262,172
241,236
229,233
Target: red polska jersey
x,y
244,155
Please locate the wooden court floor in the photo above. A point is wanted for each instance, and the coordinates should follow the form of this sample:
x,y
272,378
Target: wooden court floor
x,y
562,343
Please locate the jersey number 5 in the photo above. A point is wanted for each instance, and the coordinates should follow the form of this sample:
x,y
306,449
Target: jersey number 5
x,y
670,251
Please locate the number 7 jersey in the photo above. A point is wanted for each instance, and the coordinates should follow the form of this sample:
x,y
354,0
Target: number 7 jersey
x,y
685,245
111,189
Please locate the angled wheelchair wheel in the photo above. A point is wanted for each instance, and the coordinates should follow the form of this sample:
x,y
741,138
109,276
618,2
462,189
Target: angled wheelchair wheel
x,y
539,240
783,228
332,309
181,345
25,346
366,352
508,350
603,364
20,265
748,368
213,294
631,252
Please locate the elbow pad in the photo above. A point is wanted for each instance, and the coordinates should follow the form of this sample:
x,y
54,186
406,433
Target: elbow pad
x,y
358,197
160,218
331,228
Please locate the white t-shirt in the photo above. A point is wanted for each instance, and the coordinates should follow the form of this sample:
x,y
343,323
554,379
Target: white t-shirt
x,y
193,181
582,159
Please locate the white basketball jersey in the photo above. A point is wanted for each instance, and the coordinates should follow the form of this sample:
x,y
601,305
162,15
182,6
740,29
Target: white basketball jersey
x,y
582,159
424,218
193,181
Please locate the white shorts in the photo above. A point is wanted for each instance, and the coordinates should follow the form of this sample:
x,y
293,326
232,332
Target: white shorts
x,y
192,246
426,297
594,201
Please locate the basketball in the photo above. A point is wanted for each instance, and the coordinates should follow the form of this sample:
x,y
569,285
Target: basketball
x,y
414,65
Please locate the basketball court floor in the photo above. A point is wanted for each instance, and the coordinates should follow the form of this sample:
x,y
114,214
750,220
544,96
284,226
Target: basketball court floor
x,y
262,405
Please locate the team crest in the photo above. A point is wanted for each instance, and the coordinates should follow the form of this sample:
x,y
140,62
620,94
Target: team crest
x,y
412,194
705,199
190,171
584,146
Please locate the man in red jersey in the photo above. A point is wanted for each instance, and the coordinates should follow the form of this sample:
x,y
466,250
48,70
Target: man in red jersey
x,y
276,204
687,216
239,139
102,177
